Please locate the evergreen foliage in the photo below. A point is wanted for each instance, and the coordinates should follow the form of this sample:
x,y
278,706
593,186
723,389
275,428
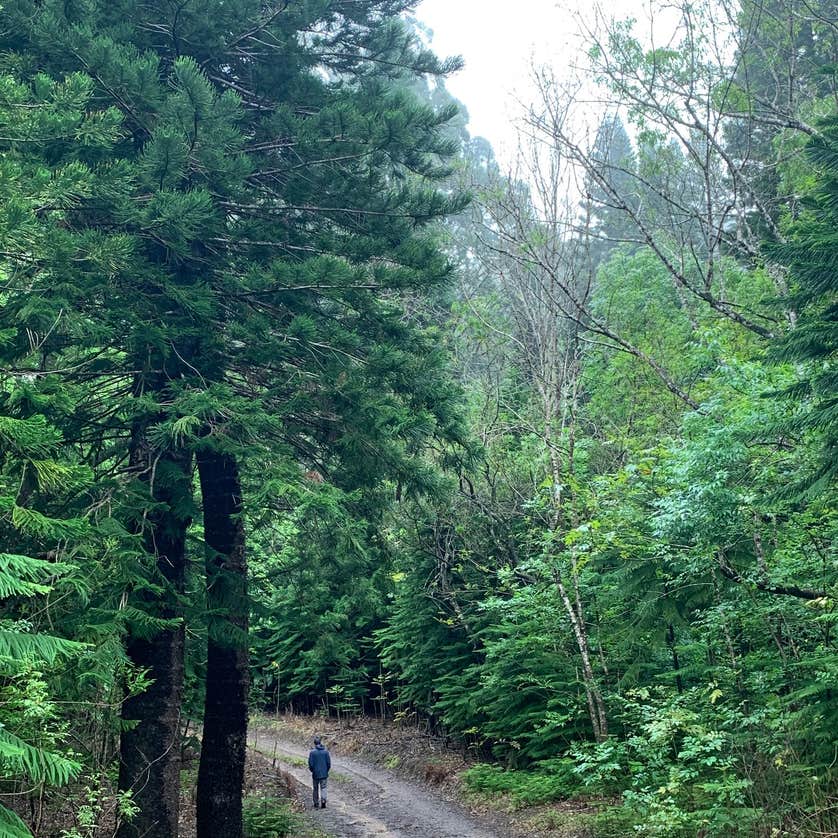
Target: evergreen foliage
x,y
31,746
810,256
223,245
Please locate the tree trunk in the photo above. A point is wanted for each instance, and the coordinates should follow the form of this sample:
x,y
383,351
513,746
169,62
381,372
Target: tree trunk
x,y
221,770
593,696
150,747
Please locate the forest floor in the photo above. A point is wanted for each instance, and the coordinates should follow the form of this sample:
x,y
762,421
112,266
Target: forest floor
x,y
389,781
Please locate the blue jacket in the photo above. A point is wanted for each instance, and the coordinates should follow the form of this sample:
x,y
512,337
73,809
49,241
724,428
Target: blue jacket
x,y
319,762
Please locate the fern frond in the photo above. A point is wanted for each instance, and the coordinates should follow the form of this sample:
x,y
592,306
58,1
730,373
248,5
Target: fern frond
x,y
25,576
11,826
14,586
18,757
19,645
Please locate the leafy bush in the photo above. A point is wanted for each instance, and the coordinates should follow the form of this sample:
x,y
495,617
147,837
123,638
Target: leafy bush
x,y
269,817
677,767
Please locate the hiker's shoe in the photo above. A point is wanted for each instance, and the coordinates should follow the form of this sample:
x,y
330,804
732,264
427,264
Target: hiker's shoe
x,y
323,805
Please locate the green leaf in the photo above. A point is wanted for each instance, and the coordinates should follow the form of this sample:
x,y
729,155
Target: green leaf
x,y
11,826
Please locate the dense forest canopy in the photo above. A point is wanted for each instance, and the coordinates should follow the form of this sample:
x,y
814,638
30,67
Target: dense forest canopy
x,y
308,402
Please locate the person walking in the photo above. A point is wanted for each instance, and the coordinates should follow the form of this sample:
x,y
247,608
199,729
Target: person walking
x,y
319,763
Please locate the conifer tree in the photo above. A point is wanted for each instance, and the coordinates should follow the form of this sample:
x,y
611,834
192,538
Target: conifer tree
x,y
253,216
809,254
614,158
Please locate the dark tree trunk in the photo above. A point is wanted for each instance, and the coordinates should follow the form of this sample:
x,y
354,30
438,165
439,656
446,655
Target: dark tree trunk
x,y
150,747
221,770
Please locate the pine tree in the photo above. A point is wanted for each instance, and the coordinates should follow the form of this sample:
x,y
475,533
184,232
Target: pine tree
x,y
809,254
614,161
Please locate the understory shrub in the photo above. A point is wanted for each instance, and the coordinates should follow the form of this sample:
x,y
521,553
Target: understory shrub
x,y
553,779
269,817
677,767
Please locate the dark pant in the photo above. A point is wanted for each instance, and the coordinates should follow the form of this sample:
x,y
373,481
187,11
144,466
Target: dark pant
x,y
319,794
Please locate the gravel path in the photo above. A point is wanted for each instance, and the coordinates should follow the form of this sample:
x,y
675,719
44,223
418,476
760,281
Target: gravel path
x,y
366,801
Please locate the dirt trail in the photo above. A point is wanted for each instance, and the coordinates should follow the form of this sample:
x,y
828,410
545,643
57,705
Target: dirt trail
x,y
366,801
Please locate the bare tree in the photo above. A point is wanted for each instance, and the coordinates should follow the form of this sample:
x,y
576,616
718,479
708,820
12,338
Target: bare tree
x,y
543,274
701,112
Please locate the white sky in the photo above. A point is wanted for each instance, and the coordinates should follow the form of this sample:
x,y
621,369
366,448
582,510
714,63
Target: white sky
x,y
498,40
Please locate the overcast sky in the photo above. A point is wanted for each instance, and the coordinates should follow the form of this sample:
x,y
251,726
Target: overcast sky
x,y
499,39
